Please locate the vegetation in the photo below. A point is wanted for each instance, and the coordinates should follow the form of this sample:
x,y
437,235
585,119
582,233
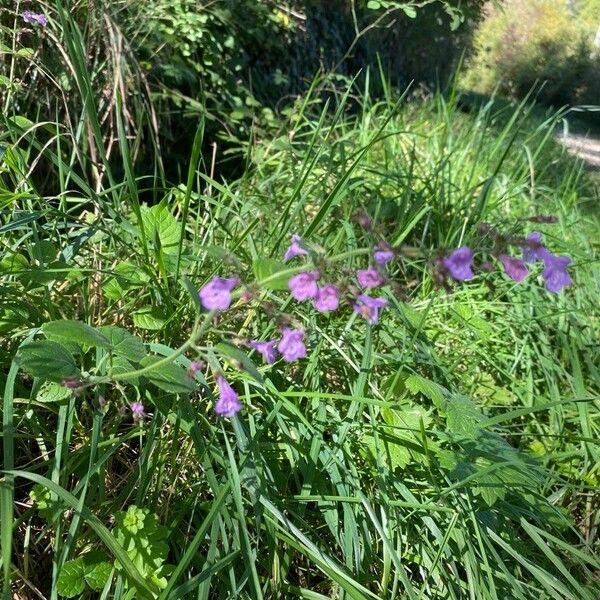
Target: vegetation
x,y
448,450
548,44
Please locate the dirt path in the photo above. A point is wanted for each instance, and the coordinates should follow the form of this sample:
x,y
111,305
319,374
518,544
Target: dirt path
x,y
585,147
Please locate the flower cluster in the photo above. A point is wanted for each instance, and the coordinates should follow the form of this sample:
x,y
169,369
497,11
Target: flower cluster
x,y
355,289
326,296
37,18
459,263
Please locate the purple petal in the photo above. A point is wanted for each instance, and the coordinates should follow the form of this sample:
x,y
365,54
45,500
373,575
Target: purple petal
x,y
228,404
459,264
304,285
216,294
369,307
382,257
369,278
295,249
555,272
267,349
534,250
514,267
328,298
292,345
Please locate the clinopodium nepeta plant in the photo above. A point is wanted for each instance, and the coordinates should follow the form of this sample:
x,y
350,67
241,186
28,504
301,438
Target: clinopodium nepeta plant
x,y
320,280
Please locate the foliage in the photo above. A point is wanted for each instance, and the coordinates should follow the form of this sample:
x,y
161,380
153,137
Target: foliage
x,y
544,42
449,448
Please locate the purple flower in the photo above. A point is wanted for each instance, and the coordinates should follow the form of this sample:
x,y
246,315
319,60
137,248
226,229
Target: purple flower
x,y
364,220
267,349
382,257
304,285
216,294
292,345
295,249
195,366
459,264
228,404
534,250
31,17
137,411
328,298
369,307
71,384
515,268
369,278
555,272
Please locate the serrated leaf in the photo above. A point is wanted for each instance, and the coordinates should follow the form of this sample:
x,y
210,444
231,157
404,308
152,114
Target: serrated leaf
x,y
169,377
97,569
158,221
238,355
71,579
395,455
267,267
52,392
462,415
150,317
47,359
124,343
430,389
75,331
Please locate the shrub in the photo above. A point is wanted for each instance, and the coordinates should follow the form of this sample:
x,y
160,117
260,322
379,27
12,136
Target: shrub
x,y
525,44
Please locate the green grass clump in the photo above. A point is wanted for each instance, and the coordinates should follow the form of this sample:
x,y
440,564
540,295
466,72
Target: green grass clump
x,y
448,452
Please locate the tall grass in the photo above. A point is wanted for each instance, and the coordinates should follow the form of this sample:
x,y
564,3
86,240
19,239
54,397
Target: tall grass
x,y
450,452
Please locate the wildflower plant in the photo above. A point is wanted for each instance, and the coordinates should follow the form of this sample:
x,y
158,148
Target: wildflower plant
x,y
329,288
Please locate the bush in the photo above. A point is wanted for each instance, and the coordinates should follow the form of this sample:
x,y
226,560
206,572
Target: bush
x,y
526,44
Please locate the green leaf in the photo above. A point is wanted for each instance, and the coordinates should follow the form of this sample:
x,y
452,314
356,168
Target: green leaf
x,y
158,221
150,317
267,267
192,290
71,579
47,359
138,531
25,52
143,589
127,276
75,331
169,377
410,11
430,389
238,355
373,5
463,416
52,392
97,569
121,365
124,343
